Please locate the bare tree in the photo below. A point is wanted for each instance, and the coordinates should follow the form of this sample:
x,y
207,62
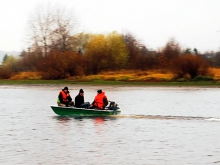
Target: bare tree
x,y
40,29
50,29
64,26
172,49
135,49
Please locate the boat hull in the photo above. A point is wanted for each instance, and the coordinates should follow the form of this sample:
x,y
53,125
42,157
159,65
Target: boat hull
x,y
73,111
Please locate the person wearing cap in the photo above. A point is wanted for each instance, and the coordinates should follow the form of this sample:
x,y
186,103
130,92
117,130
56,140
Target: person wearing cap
x,y
79,100
100,101
64,99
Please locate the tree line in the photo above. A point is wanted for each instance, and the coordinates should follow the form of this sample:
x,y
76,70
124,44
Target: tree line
x,y
57,52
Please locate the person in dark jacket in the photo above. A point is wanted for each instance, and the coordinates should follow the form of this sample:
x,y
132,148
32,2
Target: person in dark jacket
x,y
64,99
79,100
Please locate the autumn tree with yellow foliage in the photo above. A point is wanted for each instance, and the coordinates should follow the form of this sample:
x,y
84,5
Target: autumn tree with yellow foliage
x,y
9,66
105,52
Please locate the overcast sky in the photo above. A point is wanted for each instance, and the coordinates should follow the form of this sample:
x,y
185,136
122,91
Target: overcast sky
x,y
193,23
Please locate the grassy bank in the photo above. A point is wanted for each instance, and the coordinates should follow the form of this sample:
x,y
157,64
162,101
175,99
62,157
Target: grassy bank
x,y
101,82
123,77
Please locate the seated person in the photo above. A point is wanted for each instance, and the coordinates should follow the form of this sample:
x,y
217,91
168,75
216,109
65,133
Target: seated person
x,y
100,101
64,99
79,100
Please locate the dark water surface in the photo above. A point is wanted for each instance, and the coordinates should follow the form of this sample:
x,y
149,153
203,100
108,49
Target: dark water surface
x,y
158,126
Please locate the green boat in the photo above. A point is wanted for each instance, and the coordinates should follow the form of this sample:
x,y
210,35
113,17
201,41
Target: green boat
x,y
73,111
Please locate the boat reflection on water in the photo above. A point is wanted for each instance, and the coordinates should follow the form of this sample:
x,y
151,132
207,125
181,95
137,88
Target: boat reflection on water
x,y
97,119
62,119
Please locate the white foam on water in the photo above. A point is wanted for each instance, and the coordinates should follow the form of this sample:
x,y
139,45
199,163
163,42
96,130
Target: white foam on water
x,y
213,119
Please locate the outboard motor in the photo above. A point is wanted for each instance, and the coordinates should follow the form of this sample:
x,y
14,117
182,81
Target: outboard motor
x,y
113,106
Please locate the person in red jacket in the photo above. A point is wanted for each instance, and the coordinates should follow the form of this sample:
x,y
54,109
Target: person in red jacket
x,y
100,101
64,98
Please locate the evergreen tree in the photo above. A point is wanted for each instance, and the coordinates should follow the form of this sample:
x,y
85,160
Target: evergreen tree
x,y
5,58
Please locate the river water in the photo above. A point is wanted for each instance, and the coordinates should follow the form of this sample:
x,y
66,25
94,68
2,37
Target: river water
x,y
157,126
